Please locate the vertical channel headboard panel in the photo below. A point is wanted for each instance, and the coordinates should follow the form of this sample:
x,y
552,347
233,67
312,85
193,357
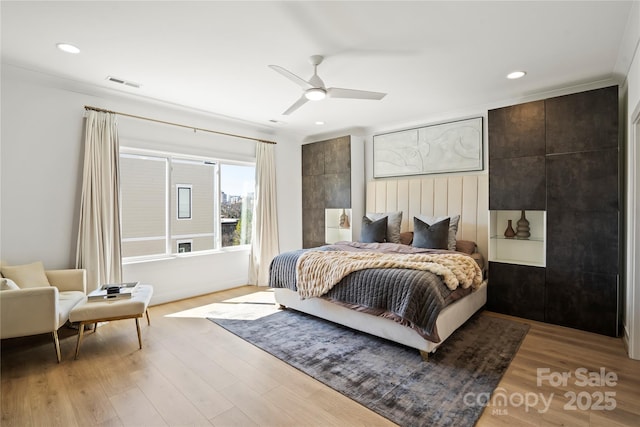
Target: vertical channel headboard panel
x,y
467,196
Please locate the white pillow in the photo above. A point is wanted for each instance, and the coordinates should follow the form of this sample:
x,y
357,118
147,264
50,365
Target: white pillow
x,y
8,285
453,226
394,221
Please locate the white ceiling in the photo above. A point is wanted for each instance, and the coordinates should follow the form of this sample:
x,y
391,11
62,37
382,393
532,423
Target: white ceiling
x,y
429,57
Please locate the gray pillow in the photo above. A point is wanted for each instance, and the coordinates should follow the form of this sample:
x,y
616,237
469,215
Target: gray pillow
x,y
434,236
393,224
453,227
373,231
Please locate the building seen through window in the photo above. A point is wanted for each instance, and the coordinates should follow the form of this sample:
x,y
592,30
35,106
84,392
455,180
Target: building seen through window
x,y
184,201
184,246
176,204
237,183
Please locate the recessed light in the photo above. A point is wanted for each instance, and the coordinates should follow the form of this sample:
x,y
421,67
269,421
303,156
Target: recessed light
x,y
69,48
319,123
516,75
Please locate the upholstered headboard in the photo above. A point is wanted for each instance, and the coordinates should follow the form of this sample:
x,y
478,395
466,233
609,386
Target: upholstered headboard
x,y
466,195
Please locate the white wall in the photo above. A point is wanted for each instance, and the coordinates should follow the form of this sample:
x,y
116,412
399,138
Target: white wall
x,y
632,318
41,169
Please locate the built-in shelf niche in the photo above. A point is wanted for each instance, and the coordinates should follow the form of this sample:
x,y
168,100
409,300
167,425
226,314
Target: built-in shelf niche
x,y
333,231
531,251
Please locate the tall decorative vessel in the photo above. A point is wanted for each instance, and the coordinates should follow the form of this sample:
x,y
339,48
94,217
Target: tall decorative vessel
x,y
523,230
344,220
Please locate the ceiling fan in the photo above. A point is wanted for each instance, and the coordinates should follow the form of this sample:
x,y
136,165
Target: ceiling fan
x,y
315,90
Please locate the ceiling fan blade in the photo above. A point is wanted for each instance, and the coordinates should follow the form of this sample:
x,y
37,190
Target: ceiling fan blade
x,y
288,74
336,92
299,103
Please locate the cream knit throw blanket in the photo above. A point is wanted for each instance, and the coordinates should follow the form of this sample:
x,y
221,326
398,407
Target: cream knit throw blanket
x,y
319,271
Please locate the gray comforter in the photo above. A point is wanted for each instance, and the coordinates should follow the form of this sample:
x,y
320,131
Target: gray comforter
x,y
411,297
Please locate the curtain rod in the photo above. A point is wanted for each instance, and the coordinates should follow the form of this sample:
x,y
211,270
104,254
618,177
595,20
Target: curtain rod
x,y
88,107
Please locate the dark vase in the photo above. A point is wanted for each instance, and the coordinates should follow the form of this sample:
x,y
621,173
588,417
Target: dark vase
x,y
509,233
523,228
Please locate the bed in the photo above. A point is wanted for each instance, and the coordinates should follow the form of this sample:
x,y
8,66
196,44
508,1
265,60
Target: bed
x,y
378,320
401,321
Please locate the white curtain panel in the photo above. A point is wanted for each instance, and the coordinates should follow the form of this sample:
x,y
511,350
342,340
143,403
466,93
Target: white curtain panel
x,y
99,250
264,236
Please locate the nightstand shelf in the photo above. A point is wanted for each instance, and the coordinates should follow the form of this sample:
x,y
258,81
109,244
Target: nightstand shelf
x,y
333,232
531,251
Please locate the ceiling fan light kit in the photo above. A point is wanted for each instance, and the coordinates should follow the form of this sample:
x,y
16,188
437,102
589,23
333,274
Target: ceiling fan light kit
x,y
315,94
315,90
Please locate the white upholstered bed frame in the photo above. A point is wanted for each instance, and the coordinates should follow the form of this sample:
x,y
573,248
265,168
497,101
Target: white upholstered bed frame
x,y
466,196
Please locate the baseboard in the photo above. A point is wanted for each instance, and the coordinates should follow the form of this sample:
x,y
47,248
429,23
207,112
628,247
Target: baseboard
x,y
180,294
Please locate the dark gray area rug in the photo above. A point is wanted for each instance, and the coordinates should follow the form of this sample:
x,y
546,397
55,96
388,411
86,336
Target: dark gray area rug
x,y
389,378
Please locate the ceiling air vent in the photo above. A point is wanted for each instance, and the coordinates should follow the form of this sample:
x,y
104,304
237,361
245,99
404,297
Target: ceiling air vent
x,y
123,82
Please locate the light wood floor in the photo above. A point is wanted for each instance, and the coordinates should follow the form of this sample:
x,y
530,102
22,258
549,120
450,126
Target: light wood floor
x,y
192,372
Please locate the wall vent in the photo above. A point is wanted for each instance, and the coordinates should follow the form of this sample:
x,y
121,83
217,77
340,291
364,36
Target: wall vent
x,y
124,82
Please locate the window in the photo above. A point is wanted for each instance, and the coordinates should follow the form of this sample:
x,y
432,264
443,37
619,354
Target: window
x,y
184,246
143,199
237,185
174,204
184,201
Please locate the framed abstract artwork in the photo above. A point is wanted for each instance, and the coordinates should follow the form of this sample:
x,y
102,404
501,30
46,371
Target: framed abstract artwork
x,y
446,147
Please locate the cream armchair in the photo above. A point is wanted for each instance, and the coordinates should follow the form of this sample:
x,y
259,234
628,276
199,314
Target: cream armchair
x,y
43,309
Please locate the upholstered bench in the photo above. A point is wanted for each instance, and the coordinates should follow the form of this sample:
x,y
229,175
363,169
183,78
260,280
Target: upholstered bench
x,y
104,311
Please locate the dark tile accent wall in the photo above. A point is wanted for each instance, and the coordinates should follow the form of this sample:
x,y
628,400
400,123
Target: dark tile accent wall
x,y
326,183
312,234
337,190
517,131
313,196
581,188
585,181
583,241
517,183
583,216
516,290
583,121
581,300
313,159
337,155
